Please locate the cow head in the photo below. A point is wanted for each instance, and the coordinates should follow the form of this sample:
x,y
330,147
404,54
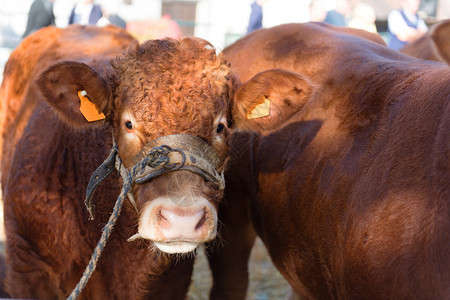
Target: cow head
x,y
163,98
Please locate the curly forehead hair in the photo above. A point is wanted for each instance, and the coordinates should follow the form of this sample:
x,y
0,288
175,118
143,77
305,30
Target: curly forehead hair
x,y
172,86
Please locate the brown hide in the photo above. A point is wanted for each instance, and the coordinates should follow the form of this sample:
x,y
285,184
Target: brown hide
x,y
347,179
147,90
17,100
434,45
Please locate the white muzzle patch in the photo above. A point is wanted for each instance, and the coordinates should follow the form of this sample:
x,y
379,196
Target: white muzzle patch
x,y
176,228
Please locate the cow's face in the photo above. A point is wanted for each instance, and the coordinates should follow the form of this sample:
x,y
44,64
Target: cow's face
x,y
164,94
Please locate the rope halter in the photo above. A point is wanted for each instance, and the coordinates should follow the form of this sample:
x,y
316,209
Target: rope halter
x,y
163,155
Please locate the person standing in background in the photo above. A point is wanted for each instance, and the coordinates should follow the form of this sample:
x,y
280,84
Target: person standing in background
x,y
256,16
85,12
39,16
405,25
113,19
338,15
110,16
317,11
363,18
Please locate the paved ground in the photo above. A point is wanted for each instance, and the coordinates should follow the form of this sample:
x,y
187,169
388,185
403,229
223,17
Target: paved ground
x,y
266,283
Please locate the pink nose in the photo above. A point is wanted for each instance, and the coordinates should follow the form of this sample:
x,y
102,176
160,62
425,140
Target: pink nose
x,y
183,224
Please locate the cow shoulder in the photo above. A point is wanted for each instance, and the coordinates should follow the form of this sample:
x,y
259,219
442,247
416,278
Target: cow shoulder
x,y
15,107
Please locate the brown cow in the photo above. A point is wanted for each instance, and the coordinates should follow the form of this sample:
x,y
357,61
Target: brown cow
x,y
165,104
348,177
434,45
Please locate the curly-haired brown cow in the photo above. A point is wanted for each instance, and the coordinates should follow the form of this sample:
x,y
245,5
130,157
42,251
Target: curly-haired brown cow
x,y
174,90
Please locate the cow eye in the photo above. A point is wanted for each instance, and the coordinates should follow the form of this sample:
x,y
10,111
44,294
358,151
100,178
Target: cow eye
x,y
129,125
220,128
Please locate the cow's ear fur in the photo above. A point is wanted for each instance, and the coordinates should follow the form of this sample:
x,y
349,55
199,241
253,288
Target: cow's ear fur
x,y
269,99
59,85
440,33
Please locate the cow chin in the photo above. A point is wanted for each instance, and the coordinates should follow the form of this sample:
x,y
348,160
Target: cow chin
x,y
177,225
176,247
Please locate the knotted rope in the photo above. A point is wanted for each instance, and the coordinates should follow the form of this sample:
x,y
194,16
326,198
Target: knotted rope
x,y
203,160
156,157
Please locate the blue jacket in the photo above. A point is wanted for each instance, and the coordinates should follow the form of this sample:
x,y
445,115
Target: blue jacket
x,y
40,15
256,17
334,17
394,42
96,14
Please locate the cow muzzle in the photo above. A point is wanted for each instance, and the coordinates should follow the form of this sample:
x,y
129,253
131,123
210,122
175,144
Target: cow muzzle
x,y
177,229
173,229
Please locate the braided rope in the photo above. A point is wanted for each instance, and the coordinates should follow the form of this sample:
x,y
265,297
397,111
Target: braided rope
x,y
107,229
156,157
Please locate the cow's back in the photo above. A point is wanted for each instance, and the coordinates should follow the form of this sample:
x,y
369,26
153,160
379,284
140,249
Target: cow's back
x,y
283,47
353,189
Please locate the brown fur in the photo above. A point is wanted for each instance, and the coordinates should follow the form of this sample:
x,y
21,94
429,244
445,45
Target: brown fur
x,y
17,95
350,192
434,45
168,86
183,91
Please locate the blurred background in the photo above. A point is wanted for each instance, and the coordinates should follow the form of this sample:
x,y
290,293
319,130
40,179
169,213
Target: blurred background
x,y
221,23
218,21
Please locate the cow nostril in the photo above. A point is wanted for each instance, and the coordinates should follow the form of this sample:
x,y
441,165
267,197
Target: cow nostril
x,y
161,216
182,218
202,221
170,224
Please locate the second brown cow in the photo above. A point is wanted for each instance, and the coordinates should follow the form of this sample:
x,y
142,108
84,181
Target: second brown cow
x,y
348,178
433,45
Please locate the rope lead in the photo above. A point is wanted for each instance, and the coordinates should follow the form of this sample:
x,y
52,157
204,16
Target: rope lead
x,y
152,157
106,231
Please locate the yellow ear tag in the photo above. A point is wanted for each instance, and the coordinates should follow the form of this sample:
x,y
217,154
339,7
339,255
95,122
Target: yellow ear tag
x,y
89,109
260,111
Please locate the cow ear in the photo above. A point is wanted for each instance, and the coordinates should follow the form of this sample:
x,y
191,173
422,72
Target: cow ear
x,y
440,33
268,100
77,92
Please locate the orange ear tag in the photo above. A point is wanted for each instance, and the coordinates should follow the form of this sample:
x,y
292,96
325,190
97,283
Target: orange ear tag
x,y
260,111
89,109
